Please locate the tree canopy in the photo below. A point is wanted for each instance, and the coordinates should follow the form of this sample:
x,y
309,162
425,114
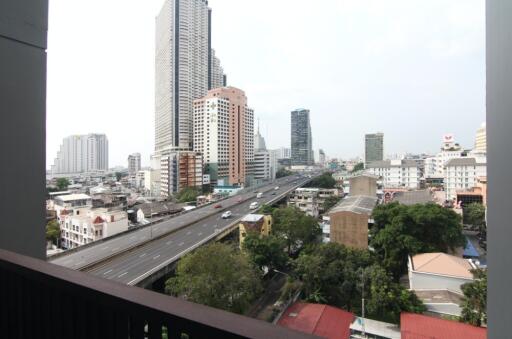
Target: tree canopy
x,y
52,231
283,172
216,275
266,251
401,230
474,214
474,303
297,228
333,274
187,194
330,202
323,181
358,167
62,184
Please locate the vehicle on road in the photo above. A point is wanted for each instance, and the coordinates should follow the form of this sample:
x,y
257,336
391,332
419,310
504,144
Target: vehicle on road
x,y
254,205
227,215
239,200
217,206
273,193
276,188
259,195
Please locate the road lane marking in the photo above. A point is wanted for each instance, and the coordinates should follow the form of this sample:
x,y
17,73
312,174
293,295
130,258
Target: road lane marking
x,y
181,244
142,255
115,249
104,248
169,242
200,233
107,272
122,274
156,257
131,238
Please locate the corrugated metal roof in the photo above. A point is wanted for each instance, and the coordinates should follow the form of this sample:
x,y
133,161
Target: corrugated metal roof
x,y
413,197
417,326
461,162
321,320
360,204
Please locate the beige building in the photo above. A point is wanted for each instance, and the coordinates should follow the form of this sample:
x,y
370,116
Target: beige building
x,y
224,134
364,184
481,139
178,170
350,220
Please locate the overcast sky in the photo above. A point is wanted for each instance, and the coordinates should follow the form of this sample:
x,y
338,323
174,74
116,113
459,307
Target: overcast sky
x,y
414,70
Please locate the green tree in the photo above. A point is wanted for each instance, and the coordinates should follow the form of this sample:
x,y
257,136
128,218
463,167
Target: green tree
x,y
323,181
266,209
62,184
330,202
474,303
358,167
474,214
187,194
119,175
283,172
297,228
53,231
216,275
401,230
266,251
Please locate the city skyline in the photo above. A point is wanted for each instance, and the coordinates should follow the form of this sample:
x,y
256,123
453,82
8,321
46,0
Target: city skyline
x,y
421,74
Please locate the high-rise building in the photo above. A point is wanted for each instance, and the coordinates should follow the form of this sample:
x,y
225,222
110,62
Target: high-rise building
x,y
321,158
134,163
217,76
374,147
82,153
283,153
180,169
481,139
262,161
182,62
224,134
301,139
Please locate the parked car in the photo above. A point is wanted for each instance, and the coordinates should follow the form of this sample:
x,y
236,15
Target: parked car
x,y
254,205
227,215
217,206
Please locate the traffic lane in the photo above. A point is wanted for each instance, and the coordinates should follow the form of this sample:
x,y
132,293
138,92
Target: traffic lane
x,y
137,263
92,254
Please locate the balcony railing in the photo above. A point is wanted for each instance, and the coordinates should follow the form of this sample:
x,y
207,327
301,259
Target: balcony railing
x,y
42,300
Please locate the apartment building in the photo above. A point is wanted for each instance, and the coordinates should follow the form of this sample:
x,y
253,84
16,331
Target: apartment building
x,y
397,173
178,170
462,174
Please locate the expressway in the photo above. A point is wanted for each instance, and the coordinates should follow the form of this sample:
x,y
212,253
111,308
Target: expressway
x,y
134,256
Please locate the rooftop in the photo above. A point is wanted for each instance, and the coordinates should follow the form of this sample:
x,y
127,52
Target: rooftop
x,y
321,320
443,264
360,204
415,326
413,197
463,162
375,327
439,297
71,197
252,218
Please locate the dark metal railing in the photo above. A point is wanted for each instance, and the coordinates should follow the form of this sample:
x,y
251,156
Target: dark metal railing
x,y
42,300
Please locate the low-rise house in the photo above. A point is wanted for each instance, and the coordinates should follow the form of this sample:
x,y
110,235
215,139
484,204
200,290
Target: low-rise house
x,y
254,223
415,326
350,221
70,202
305,199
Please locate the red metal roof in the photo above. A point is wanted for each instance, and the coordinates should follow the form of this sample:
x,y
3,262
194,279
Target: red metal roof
x,y
417,326
321,320
98,220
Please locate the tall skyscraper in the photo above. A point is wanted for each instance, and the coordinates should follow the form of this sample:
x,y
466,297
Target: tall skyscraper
x,y
301,139
481,139
82,153
182,62
217,76
373,147
134,163
262,158
224,134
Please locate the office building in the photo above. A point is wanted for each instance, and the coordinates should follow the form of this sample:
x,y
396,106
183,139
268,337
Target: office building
x,y
133,163
301,138
321,158
224,134
373,147
481,139
262,158
183,62
396,173
81,154
217,77
283,153
180,169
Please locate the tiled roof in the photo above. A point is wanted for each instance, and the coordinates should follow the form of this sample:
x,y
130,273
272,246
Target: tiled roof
x,y
443,264
321,320
417,326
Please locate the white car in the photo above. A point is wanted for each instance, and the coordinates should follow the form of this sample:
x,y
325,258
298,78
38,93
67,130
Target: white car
x,y
227,215
259,195
254,205
276,188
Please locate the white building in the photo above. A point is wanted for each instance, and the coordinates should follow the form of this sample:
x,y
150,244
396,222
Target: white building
x,y
262,169
463,174
134,163
283,153
81,226
305,199
435,166
396,173
71,201
81,154
182,61
143,179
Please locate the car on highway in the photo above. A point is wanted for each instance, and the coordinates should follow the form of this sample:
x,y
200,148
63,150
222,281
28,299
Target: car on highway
x,y
276,188
217,206
254,205
273,193
239,200
227,215
259,195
